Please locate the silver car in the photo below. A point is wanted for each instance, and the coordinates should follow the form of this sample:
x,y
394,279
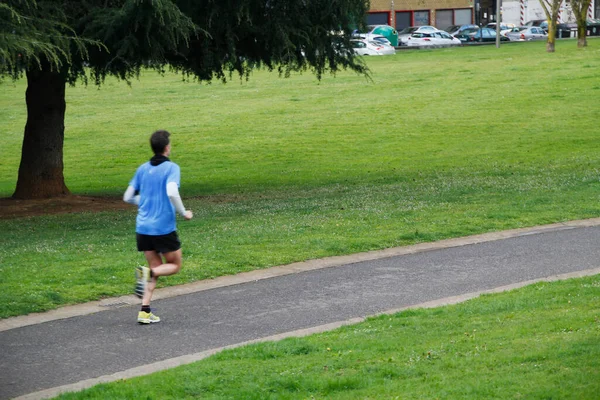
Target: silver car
x,y
405,33
526,33
504,28
364,47
434,39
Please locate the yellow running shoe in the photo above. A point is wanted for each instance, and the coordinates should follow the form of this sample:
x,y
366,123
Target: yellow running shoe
x,y
147,318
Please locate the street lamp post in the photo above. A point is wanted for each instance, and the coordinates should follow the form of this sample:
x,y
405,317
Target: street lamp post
x,y
498,21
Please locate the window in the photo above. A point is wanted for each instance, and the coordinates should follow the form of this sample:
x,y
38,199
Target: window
x,y
444,18
421,18
463,16
378,18
403,20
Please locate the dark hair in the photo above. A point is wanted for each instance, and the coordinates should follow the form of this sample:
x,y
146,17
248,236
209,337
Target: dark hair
x,y
159,141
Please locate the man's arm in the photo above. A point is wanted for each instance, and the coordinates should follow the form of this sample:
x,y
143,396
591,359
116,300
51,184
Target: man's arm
x,y
130,196
175,198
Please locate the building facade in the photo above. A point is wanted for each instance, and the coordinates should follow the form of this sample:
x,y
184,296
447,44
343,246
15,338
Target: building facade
x,y
520,11
404,13
444,13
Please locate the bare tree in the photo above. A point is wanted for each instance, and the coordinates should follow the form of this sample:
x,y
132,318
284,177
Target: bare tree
x,y
551,9
580,8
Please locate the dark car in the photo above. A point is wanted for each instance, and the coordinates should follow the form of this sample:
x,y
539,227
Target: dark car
x,y
593,27
566,30
465,35
479,35
457,29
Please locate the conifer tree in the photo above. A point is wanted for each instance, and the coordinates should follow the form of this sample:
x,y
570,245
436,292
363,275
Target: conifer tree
x,y
57,42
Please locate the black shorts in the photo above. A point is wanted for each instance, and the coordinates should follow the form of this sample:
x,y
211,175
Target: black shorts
x,y
161,243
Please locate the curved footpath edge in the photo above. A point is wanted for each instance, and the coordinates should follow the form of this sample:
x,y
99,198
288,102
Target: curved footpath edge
x,y
163,293
190,358
582,240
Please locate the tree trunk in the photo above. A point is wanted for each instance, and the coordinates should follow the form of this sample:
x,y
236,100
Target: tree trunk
x,y
41,168
581,34
550,46
580,10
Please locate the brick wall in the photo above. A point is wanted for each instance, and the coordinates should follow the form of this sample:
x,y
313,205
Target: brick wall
x,y
403,5
392,6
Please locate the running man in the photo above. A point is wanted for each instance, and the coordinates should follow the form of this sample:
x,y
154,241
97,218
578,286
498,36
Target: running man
x,y
155,190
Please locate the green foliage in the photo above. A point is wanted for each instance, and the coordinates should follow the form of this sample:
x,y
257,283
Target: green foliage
x,y
204,39
35,35
138,34
288,35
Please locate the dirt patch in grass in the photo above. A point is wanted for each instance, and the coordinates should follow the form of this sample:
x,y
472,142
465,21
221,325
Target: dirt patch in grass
x,y
11,208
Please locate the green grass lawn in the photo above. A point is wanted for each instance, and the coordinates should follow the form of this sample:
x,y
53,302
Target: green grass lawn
x,y
439,144
537,342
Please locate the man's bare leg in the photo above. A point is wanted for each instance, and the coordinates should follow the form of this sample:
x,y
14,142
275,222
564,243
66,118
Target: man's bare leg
x,y
170,266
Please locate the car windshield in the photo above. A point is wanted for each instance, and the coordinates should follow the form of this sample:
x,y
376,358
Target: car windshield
x,y
382,41
379,38
452,28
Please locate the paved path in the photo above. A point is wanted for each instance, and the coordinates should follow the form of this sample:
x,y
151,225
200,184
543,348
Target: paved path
x,y
76,347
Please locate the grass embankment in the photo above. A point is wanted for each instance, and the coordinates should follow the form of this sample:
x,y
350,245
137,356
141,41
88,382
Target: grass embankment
x,y
440,144
538,342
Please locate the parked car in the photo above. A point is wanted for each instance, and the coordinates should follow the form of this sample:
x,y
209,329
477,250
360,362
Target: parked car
x,y
465,35
527,33
434,39
366,47
380,39
372,37
542,23
456,29
593,27
405,33
504,28
566,30
480,35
